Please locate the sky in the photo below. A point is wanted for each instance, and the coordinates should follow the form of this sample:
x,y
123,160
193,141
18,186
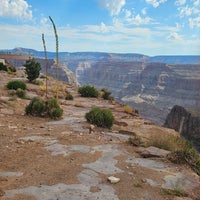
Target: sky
x,y
150,27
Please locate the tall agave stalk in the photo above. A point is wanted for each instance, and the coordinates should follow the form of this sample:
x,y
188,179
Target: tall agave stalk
x,y
56,36
46,62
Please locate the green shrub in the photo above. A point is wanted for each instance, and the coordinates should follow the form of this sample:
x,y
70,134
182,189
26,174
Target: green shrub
x,y
37,82
12,69
53,109
21,93
32,69
55,113
12,92
36,107
41,108
3,67
100,117
15,84
88,91
106,94
69,97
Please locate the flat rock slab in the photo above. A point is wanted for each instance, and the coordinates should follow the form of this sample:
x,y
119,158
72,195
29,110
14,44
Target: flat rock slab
x,y
63,192
152,152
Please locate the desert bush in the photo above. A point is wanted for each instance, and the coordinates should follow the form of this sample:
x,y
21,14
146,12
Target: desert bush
x,y
106,94
186,155
127,109
88,91
36,107
37,82
12,69
135,141
3,67
21,93
41,108
55,113
15,84
100,117
69,96
168,142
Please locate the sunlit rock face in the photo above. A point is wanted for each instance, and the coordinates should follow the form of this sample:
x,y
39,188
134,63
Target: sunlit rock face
x,y
153,88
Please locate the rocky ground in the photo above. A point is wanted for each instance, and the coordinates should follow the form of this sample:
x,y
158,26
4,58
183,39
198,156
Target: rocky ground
x,y
42,159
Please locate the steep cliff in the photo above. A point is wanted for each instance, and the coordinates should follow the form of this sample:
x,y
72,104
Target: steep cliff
x,y
153,88
186,122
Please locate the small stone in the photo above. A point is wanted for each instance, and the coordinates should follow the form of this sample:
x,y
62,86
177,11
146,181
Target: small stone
x,y
113,179
91,128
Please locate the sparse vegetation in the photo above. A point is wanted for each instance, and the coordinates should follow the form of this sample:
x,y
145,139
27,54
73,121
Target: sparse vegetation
x,y
186,155
88,91
21,93
37,82
53,109
41,108
3,67
175,192
11,69
127,109
182,151
168,142
106,94
79,105
100,117
135,141
32,69
69,96
15,84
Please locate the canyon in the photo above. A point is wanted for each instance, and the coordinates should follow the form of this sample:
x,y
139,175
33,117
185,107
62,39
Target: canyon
x,y
152,85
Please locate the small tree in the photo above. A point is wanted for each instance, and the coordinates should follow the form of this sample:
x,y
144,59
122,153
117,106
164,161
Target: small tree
x,y
32,69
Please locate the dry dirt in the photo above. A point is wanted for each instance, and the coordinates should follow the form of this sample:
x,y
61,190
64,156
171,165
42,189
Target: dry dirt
x,y
42,159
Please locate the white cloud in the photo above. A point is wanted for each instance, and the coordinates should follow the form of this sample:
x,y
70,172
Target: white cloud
x,y
174,36
194,22
155,3
197,3
187,11
144,11
127,13
113,6
138,20
180,2
15,9
43,21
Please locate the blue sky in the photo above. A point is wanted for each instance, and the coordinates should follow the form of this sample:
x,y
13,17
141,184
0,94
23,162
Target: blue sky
x,y
151,27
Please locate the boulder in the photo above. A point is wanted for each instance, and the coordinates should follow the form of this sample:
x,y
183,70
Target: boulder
x,y
152,152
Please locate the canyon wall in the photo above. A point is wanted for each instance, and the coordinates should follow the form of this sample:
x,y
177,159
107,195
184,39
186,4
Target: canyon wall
x,y
153,88
187,123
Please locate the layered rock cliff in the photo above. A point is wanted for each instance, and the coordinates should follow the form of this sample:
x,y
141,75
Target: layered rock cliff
x,y
186,122
153,88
